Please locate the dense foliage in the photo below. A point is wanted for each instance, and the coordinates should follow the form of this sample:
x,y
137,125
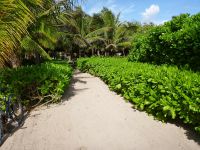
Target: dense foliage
x,y
32,29
100,34
37,84
176,42
35,30
166,92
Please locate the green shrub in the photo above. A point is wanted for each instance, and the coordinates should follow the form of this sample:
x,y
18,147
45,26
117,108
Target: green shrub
x,y
44,82
176,42
166,92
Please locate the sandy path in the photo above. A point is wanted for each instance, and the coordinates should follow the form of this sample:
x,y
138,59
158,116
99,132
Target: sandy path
x,y
94,118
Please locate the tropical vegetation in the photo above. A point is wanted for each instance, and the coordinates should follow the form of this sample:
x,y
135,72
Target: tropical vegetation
x,y
177,42
36,84
34,32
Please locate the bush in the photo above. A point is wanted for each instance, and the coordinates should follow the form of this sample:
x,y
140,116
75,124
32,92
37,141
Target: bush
x,y
39,83
176,42
166,92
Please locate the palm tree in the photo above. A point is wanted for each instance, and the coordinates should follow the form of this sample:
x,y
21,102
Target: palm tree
x,y
45,34
15,17
18,18
77,27
111,34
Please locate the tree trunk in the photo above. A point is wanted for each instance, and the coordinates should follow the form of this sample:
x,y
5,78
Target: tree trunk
x,y
37,58
98,53
123,52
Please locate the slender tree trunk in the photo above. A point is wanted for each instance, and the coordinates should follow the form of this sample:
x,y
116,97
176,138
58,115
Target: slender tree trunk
x,y
98,53
71,56
123,52
78,53
37,58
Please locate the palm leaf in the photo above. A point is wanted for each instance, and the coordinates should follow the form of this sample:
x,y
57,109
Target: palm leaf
x,y
14,20
96,39
124,44
99,32
31,46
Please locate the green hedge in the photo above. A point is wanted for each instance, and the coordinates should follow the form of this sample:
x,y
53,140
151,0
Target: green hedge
x,y
176,42
166,92
44,82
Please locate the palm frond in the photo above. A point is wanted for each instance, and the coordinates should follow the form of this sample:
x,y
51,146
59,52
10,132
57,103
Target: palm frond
x,y
124,44
31,46
111,46
97,39
15,18
98,32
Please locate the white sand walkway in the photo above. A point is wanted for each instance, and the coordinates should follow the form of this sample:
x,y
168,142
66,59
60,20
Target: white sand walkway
x,y
93,118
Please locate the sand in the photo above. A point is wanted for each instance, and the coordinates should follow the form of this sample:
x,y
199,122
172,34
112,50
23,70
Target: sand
x,y
91,117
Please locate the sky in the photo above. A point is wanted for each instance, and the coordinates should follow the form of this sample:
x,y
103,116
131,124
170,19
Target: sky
x,y
157,11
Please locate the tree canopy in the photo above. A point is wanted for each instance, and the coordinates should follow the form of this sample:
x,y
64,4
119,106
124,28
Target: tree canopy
x,y
33,29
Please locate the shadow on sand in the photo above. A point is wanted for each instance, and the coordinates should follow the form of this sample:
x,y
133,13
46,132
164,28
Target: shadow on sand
x,y
189,132
71,90
13,128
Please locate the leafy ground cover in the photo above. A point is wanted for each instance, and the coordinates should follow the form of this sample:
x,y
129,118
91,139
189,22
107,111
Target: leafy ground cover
x,y
163,91
38,83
